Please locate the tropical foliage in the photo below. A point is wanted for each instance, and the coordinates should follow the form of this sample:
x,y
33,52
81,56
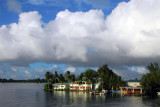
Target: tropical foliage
x,y
55,76
49,77
109,79
89,75
68,77
61,78
80,78
73,78
151,81
106,77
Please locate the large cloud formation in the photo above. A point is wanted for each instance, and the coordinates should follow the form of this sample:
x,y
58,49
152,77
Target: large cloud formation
x,y
128,36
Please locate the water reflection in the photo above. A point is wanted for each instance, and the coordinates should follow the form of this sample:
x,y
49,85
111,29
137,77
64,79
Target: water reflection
x,y
151,101
73,98
32,95
84,99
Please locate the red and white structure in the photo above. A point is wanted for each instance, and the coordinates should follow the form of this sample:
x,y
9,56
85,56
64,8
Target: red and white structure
x,y
83,86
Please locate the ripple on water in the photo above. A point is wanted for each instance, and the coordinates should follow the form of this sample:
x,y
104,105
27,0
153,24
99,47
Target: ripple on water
x,y
33,95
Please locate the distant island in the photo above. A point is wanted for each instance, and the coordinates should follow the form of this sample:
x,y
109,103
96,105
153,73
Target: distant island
x,y
104,79
38,80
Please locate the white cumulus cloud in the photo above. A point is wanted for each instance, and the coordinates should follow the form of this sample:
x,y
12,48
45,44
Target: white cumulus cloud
x,y
55,66
140,70
128,36
71,69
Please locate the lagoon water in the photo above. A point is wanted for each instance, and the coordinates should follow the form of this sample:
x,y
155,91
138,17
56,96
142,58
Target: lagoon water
x,y
33,95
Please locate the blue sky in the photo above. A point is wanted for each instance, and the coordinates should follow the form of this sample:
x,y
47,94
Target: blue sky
x,y
49,8
59,35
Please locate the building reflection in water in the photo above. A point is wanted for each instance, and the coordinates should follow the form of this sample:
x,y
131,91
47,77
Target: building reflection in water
x,y
80,99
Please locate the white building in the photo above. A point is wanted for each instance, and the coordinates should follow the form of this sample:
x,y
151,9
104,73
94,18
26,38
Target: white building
x,y
133,84
62,86
74,86
83,86
97,85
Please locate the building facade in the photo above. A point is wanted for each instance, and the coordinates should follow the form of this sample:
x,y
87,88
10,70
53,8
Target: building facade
x,y
83,86
133,87
72,86
60,86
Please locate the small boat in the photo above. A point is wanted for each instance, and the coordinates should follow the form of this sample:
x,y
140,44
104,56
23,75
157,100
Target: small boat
x,y
95,93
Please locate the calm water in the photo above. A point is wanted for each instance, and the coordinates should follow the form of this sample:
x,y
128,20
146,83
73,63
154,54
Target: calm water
x,y
33,95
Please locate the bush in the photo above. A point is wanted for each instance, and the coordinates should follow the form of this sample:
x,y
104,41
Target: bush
x,y
46,87
151,81
99,88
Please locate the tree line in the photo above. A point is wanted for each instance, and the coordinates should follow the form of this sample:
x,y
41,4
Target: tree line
x,y
107,78
38,80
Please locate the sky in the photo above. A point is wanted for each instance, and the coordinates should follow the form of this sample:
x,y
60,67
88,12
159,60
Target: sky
x,y
37,36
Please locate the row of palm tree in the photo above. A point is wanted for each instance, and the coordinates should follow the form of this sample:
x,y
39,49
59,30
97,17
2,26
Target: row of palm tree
x,y
107,78
59,78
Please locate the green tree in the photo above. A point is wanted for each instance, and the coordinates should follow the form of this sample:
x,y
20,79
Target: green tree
x,y
48,77
151,81
61,78
89,75
112,82
96,76
108,78
73,78
104,75
68,76
55,76
80,78
119,82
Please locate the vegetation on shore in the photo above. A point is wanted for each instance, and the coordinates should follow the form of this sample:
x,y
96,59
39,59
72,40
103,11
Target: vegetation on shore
x,y
151,81
107,78
38,80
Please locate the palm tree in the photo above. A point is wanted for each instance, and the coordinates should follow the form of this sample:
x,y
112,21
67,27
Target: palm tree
x,y
104,74
89,74
61,78
55,76
80,78
107,77
154,70
73,78
111,82
68,76
151,81
119,82
96,76
48,77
